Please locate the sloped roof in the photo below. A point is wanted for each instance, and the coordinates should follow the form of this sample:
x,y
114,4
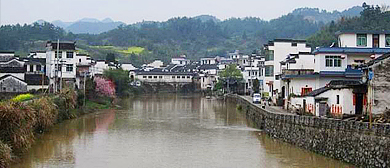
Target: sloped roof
x,y
362,32
6,76
318,91
347,50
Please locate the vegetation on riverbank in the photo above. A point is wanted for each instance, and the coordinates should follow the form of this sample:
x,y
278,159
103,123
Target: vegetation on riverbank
x,y
22,120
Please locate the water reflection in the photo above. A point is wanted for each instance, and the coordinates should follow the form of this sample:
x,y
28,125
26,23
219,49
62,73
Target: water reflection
x,y
166,131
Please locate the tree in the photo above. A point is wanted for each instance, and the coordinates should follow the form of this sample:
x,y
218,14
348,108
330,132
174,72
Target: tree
x,y
231,76
120,78
110,57
105,87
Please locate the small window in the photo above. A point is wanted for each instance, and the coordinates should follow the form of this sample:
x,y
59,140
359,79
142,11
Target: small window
x,y
150,77
144,77
69,54
294,44
69,67
56,54
39,68
183,77
173,77
31,68
188,77
155,77
79,60
387,39
338,99
178,77
160,77
269,55
269,70
361,40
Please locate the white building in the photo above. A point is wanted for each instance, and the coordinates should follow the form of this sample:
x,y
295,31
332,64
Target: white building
x,y
156,64
364,38
165,77
181,61
62,65
209,61
339,98
275,52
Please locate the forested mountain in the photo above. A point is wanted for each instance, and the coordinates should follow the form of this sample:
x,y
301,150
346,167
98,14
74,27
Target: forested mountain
x,y
372,18
317,15
195,37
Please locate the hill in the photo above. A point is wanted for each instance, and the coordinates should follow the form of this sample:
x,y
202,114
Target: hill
x,y
371,18
317,15
88,25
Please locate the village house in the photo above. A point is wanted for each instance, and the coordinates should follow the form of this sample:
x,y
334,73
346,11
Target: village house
x,y
275,52
338,98
376,75
61,63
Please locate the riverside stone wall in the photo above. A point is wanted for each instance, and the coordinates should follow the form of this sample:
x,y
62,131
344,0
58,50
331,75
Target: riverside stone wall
x,y
349,141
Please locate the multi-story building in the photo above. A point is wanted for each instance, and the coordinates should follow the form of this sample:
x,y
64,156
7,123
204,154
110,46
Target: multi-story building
x,y
61,63
275,52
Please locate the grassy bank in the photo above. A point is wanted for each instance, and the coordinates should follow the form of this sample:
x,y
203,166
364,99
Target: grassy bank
x,y
23,118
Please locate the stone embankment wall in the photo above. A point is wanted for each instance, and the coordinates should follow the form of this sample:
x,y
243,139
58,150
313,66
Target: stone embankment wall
x,y
349,141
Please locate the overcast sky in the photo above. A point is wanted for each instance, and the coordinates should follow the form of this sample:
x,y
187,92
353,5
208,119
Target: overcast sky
x,y
131,11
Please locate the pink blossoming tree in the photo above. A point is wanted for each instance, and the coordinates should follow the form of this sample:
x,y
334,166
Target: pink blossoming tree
x,y
105,87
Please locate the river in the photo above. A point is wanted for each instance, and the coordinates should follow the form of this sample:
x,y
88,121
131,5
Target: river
x,y
166,130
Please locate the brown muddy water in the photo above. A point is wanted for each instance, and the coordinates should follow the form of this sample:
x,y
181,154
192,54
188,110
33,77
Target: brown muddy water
x,y
166,130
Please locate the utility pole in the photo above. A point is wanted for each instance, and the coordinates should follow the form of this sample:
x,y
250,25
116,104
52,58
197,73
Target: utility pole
x,y
85,76
56,66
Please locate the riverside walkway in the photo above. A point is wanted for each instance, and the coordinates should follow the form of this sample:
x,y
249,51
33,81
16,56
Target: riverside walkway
x,y
271,109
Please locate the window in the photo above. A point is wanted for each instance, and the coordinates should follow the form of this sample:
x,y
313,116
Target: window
x,y
59,53
79,60
183,77
305,91
387,39
178,77
155,77
188,77
39,68
31,68
150,77
269,56
332,61
69,67
277,77
338,99
294,44
144,77
361,40
160,77
269,70
69,54
173,77
59,67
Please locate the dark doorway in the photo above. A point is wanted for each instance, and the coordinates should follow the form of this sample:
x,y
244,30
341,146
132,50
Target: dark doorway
x,y
359,103
283,92
304,106
375,40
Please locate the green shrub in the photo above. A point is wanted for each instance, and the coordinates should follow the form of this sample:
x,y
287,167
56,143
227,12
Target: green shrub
x,y
17,122
5,155
239,107
22,97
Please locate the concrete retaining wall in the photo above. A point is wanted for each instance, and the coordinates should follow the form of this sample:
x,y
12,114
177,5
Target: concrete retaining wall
x,y
349,141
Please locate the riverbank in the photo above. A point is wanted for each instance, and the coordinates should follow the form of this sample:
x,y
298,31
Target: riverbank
x,y
22,121
350,141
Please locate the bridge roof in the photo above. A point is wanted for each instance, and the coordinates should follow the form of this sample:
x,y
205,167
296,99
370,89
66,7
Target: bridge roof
x,y
164,73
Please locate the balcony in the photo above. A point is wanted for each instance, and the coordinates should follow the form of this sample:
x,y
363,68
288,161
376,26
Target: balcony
x,y
297,73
